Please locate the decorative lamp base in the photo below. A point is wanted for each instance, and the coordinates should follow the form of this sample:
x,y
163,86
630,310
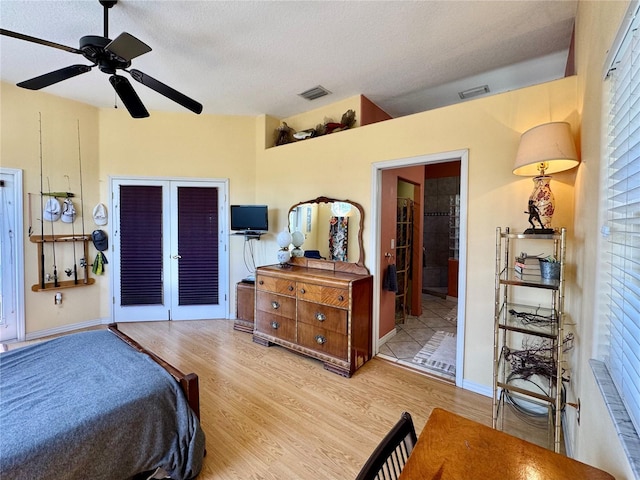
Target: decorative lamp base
x,y
543,199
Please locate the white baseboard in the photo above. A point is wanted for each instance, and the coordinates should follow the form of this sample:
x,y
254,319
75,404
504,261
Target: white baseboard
x,y
477,388
566,435
387,337
66,328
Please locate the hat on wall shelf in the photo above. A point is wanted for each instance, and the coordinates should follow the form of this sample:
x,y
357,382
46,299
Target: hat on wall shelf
x,y
68,211
100,214
545,149
52,210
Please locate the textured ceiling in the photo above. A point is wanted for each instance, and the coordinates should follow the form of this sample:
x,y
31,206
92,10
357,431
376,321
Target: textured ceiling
x,y
254,57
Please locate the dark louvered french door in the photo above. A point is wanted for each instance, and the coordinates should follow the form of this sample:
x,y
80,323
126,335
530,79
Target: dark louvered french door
x,y
169,250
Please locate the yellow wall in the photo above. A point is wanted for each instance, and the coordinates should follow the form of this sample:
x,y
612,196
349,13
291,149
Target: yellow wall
x,y
339,166
112,143
186,146
595,440
20,148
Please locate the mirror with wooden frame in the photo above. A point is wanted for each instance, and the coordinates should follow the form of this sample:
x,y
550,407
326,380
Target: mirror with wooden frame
x,y
331,234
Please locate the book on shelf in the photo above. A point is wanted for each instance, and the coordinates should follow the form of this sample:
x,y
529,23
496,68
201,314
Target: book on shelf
x,y
527,275
528,264
527,268
529,259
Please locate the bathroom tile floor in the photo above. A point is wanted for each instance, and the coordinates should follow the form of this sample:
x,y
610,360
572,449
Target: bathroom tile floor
x,y
437,314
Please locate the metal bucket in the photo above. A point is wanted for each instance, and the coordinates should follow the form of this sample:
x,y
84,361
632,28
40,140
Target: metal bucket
x,y
550,270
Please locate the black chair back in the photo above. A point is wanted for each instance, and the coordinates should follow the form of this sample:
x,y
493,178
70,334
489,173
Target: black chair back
x,y
390,456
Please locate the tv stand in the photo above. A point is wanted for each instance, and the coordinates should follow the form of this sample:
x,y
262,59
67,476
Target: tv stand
x,y
250,234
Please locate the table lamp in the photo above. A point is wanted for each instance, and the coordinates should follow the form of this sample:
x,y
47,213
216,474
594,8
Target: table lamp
x,y
545,149
284,240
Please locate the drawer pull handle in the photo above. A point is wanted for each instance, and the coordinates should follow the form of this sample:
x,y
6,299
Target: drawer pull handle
x,y
260,282
320,339
290,288
303,291
341,298
275,305
321,317
275,325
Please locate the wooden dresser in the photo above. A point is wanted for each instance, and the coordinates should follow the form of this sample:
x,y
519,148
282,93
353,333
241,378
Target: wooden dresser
x,y
321,313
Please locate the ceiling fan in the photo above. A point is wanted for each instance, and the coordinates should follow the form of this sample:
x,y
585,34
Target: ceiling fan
x,y
109,56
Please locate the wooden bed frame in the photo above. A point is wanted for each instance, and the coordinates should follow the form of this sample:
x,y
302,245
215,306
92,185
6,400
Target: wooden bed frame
x,y
188,383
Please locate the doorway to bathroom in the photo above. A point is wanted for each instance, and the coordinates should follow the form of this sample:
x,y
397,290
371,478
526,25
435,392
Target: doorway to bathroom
x,y
427,325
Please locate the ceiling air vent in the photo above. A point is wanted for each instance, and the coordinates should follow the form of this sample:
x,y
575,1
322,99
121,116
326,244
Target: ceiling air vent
x,y
474,92
315,92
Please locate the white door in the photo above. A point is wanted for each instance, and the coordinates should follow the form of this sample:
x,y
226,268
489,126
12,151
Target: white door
x,y
170,256
11,256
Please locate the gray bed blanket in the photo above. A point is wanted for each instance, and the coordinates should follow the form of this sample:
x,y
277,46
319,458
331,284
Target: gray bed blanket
x,y
88,406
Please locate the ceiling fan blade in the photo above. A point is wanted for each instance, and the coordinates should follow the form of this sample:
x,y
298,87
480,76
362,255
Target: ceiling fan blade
x,y
128,96
54,77
46,43
166,90
126,46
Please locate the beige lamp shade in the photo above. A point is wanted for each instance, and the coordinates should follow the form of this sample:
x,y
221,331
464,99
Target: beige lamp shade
x,y
550,144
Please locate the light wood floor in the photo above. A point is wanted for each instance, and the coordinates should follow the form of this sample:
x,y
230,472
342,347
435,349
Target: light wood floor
x,y
269,413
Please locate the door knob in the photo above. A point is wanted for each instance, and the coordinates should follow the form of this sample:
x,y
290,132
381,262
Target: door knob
x,y
177,256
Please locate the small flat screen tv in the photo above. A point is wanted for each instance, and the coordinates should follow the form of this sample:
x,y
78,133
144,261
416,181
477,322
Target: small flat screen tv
x,y
253,218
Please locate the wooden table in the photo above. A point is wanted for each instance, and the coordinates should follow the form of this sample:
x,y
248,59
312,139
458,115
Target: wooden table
x,y
453,448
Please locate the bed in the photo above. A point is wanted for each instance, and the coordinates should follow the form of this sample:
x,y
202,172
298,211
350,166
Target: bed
x,y
96,405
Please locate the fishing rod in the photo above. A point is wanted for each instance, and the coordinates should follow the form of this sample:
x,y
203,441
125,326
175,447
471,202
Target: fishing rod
x,y
30,216
53,247
42,274
73,234
82,264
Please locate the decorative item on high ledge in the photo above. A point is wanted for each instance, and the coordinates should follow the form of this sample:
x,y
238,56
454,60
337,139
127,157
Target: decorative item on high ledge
x,y
285,134
545,149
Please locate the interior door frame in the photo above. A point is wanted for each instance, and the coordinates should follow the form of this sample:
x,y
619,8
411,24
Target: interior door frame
x,y
223,260
18,250
376,194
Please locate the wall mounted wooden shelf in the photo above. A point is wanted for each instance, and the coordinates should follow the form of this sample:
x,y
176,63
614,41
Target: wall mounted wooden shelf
x,y
40,240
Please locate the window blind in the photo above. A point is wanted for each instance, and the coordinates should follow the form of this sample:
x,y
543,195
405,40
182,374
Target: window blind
x,y
141,245
623,223
198,246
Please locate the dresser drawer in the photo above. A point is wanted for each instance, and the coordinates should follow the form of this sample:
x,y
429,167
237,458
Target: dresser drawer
x,y
338,297
281,286
276,304
322,340
276,326
323,316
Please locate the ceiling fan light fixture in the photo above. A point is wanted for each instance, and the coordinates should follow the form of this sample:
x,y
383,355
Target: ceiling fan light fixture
x,y
474,92
315,92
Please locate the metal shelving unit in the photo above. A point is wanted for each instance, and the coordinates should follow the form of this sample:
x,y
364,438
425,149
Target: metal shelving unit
x,y
528,337
404,253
